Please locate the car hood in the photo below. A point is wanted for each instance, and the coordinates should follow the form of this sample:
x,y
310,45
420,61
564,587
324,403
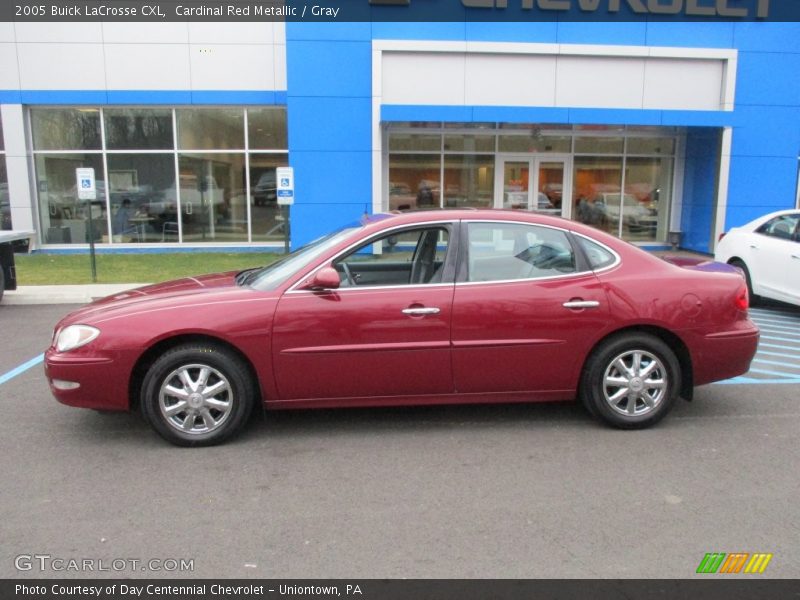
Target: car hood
x,y
204,289
187,285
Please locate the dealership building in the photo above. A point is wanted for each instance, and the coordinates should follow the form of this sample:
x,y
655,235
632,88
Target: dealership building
x,y
655,131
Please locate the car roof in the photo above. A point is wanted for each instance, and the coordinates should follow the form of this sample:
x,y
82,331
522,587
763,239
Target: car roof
x,y
378,222
412,217
757,222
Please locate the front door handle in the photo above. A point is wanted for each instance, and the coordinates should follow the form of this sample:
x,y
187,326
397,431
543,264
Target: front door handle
x,y
422,310
581,304
796,256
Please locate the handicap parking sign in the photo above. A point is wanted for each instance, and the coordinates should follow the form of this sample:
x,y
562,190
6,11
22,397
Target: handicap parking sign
x,y
86,183
285,177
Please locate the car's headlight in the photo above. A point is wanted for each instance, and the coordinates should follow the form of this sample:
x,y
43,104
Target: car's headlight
x,y
75,336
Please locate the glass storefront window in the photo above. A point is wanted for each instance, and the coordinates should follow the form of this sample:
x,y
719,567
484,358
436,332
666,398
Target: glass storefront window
x,y
142,195
418,124
143,200
414,181
469,126
5,200
65,219
651,146
406,142
213,200
604,128
599,153
647,182
596,192
210,128
265,214
651,129
468,180
138,129
66,128
266,128
534,143
598,145
469,143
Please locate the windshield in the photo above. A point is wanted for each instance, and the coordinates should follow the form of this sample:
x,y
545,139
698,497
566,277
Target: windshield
x,y
271,276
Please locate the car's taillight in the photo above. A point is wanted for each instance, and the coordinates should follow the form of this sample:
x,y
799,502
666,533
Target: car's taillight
x,y
742,300
721,235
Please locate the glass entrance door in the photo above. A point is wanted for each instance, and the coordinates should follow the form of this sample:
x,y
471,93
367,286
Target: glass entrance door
x,y
532,183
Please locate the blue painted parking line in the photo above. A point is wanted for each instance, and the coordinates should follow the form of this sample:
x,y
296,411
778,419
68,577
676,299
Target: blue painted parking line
x,y
743,379
775,338
775,346
779,363
775,327
21,369
777,360
781,354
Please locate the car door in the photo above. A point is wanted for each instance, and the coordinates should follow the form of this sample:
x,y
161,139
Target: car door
x,y
524,315
384,333
775,270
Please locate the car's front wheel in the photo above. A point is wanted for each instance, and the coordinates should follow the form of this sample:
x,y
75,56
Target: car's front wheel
x,y
631,381
197,395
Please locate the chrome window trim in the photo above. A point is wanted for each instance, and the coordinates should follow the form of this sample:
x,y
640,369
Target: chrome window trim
x,y
617,261
617,257
292,288
371,288
566,232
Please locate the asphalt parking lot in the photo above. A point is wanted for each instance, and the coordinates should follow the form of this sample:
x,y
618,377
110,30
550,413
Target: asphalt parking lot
x,y
538,491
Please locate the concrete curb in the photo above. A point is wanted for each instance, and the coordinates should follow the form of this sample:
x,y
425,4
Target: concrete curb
x,y
63,294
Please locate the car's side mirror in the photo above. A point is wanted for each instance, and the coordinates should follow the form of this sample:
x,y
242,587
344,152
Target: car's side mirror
x,y
327,278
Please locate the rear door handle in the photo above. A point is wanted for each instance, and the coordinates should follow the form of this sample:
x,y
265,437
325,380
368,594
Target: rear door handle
x,y
421,311
581,304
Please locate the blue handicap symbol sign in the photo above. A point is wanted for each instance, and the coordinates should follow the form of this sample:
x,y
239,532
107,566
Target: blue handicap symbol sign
x,y
284,182
85,183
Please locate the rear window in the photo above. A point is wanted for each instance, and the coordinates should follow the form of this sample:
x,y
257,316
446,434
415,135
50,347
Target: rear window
x,y
597,255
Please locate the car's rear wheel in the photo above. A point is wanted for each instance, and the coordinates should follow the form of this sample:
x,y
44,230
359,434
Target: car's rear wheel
x,y
197,395
754,300
631,381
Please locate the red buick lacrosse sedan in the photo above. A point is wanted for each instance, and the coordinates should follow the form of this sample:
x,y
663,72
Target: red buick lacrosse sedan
x,y
428,307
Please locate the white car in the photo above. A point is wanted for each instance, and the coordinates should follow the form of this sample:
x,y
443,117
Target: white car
x,y
768,251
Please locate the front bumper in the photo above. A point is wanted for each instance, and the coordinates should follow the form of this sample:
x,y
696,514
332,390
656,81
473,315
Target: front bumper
x,y
102,380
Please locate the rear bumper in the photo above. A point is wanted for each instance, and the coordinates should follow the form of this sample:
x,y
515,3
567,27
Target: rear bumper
x,y
102,382
719,356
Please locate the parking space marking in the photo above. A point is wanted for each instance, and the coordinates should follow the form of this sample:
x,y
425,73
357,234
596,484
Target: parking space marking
x,y
21,369
778,357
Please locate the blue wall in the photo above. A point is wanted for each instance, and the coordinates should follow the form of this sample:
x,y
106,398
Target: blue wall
x,y
329,108
329,81
700,187
766,137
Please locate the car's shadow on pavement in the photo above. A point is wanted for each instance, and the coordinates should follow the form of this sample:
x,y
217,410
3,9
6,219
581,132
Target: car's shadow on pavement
x,y
130,428
417,419
776,306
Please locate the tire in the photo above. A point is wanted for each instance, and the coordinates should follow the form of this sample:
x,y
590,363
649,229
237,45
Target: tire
x,y
754,300
173,399
613,390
